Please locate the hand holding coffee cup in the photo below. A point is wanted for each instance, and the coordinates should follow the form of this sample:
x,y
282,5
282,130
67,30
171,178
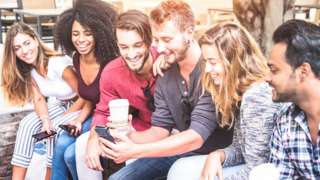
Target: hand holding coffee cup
x,y
119,111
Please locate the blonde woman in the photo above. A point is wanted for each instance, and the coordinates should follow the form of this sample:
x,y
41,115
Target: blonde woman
x,y
30,73
234,74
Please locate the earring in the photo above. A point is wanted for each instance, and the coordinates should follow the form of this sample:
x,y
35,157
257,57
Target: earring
x,y
188,42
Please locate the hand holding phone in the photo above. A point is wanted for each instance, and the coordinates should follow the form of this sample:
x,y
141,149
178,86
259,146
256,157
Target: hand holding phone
x,y
67,127
103,132
42,135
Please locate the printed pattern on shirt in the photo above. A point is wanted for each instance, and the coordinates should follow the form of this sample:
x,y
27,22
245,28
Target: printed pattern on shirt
x,y
252,130
292,150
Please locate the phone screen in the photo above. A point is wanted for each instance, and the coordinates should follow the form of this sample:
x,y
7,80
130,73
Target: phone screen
x,y
103,132
67,127
43,135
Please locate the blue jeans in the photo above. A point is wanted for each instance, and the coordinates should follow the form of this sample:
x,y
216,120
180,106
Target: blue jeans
x,y
146,169
64,156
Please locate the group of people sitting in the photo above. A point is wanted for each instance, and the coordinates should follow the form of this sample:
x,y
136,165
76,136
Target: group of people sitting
x,y
206,109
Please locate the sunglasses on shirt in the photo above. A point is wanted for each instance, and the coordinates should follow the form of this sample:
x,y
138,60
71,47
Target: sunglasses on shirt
x,y
150,99
186,110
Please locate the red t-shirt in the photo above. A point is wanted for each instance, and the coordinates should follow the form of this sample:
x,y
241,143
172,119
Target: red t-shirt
x,y
118,81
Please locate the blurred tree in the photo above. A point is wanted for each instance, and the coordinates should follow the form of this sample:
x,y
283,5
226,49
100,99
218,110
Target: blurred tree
x,y
262,17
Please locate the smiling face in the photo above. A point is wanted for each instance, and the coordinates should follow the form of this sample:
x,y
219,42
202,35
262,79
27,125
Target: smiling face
x,y
132,48
82,39
213,63
26,48
170,41
282,77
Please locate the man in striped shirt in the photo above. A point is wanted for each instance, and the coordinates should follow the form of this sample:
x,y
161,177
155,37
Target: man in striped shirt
x,y
295,75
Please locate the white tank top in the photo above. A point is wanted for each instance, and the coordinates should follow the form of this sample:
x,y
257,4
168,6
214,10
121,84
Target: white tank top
x,y
54,85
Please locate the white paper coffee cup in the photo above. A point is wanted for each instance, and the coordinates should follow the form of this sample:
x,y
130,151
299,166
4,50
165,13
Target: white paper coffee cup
x,y
119,110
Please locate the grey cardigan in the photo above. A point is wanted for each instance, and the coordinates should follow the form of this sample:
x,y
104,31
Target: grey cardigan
x,y
252,130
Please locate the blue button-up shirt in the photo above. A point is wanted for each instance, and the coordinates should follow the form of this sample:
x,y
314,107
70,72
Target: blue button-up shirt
x,y
292,150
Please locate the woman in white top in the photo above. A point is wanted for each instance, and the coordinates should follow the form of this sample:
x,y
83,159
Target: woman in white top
x,y
31,72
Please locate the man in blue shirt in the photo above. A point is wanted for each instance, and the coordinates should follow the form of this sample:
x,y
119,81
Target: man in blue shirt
x,y
295,76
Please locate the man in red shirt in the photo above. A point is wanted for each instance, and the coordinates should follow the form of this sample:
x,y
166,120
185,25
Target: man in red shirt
x,y
127,77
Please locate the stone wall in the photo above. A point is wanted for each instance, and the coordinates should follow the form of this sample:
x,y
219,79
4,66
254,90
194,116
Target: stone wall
x,y
8,129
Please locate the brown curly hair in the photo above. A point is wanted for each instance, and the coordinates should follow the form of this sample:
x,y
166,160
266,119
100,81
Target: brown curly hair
x,y
96,15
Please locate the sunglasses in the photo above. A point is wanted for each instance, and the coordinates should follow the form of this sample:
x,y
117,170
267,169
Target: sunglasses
x,y
186,111
134,112
150,100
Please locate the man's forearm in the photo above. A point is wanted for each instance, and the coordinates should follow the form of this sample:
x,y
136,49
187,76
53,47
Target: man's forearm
x,y
180,143
150,135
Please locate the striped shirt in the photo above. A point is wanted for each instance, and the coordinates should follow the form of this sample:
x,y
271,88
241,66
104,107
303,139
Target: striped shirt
x,y
252,130
292,150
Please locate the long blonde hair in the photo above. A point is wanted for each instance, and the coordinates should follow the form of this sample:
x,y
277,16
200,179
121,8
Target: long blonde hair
x,y
16,78
243,62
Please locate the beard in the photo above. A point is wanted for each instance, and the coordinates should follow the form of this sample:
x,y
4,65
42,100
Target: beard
x,y
182,53
287,93
145,58
283,97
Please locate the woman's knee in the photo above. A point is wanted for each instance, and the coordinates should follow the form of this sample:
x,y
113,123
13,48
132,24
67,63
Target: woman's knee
x,y
185,168
29,123
62,143
115,176
69,154
176,169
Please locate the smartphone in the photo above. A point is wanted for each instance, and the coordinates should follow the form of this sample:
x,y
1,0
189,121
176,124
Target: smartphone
x,y
42,135
67,127
103,132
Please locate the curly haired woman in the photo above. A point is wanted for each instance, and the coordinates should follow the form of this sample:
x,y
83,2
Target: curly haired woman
x,y
86,32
